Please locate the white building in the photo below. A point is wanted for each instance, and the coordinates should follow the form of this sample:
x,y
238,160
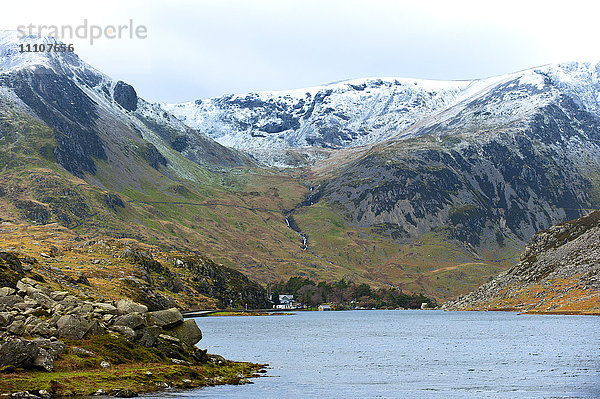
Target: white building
x,y
286,302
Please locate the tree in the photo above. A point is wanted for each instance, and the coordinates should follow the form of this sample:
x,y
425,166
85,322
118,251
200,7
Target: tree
x,y
275,297
363,290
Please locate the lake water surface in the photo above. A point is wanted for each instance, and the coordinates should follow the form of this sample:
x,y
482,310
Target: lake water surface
x,y
408,354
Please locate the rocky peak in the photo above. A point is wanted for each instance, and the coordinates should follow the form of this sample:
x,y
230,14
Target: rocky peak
x,y
125,96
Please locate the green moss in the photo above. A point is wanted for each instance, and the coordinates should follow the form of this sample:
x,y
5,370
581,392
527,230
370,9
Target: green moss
x,y
137,377
118,350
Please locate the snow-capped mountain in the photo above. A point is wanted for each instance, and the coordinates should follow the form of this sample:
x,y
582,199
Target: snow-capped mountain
x,y
476,165
12,59
491,160
367,111
96,117
356,112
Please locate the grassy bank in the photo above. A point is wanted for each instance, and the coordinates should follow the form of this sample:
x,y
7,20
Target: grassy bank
x,y
111,364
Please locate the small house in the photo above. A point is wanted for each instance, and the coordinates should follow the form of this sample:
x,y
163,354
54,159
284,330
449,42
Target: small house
x,y
286,302
324,307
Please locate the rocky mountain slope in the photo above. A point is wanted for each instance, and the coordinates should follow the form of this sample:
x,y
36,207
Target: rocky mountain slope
x,y
81,149
483,187
487,173
111,269
95,118
559,271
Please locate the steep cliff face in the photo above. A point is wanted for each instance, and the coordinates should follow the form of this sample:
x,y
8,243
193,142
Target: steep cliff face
x,y
64,107
559,271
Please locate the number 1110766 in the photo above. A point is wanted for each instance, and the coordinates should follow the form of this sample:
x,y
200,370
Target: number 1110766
x,y
46,47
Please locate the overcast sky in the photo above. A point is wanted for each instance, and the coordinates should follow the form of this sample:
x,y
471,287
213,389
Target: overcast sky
x,y
197,49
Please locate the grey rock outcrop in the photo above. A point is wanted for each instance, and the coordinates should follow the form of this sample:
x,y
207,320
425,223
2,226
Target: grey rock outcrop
x,y
6,291
188,332
165,318
148,336
25,354
131,320
31,309
125,306
125,331
72,327
18,353
125,96
9,300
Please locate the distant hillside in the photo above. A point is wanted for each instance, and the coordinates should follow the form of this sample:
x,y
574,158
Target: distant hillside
x,y
110,269
558,272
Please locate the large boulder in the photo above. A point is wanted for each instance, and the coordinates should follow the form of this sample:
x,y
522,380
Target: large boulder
x,y
53,347
39,328
166,319
25,283
125,306
59,295
83,309
18,353
104,308
188,332
17,327
44,360
131,320
39,353
9,300
44,300
26,307
72,327
148,336
125,331
6,291
5,319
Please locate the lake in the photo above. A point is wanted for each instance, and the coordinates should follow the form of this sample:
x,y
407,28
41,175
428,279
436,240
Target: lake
x,y
408,354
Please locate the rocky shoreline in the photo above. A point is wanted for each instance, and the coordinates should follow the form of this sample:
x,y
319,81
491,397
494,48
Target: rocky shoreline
x,y
45,332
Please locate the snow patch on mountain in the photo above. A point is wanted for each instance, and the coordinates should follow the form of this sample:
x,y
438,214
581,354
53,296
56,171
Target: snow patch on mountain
x,y
580,81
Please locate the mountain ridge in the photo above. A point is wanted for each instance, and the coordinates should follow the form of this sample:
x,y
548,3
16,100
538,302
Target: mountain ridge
x,y
350,113
82,88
